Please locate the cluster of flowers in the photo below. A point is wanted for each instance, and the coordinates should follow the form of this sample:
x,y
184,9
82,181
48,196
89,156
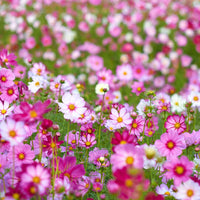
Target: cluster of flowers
x,y
58,138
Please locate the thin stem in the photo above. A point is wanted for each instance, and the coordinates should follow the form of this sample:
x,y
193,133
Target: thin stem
x,y
102,103
13,166
68,127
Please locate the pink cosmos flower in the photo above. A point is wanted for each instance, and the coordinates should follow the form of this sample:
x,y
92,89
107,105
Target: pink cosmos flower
x,y
124,72
138,72
127,155
170,144
35,174
94,62
82,186
9,94
73,106
119,118
7,59
178,169
3,163
38,69
46,40
23,154
137,126
6,77
30,43
88,141
175,123
19,71
12,131
138,88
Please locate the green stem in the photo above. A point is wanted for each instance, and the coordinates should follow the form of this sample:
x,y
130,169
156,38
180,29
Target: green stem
x,y
99,138
68,127
13,166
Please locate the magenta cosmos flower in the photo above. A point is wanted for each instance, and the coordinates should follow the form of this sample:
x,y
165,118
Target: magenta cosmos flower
x,y
138,88
32,113
170,144
7,58
37,175
127,155
175,123
178,169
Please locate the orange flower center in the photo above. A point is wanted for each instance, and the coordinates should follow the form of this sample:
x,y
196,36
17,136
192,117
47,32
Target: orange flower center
x,y
3,111
125,73
190,193
170,145
88,143
179,170
36,179
134,125
37,83
12,133
10,91
167,193
21,156
56,85
129,183
195,98
71,106
177,125
119,119
87,185
73,141
3,78
164,107
123,142
32,190
5,60
129,160
33,114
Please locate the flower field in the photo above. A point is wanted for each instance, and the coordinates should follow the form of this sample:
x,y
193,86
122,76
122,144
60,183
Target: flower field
x,y
99,99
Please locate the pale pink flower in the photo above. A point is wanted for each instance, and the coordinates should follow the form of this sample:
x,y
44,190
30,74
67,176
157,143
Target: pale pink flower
x,y
6,77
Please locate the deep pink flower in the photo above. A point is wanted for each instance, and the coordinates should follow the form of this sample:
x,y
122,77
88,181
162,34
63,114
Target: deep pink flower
x,y
7,58
175,123
9,94
67,167
178,169
170,144
32,113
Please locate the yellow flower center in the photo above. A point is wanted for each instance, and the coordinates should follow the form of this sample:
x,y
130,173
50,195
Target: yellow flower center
x,y
139,89
21,156
119,119
176,103
5,60
129,183
123,142
3,78
125,73
129,160
12,133
73,141
39,71
10,91
179,170
56,85
37,83
134,125
167,193
53,145
87,185
3,111
150,153
36,179
66,174
32,190
16,196
190,193
150,133
71,106
195,98
33,114
170,145
177,125
88,143
164,107
89,131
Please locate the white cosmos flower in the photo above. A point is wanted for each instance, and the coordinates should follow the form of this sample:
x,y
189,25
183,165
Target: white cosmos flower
x,y
177,103
101,88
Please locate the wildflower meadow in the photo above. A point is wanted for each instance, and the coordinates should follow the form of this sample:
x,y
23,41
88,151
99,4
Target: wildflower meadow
x,y
99,99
